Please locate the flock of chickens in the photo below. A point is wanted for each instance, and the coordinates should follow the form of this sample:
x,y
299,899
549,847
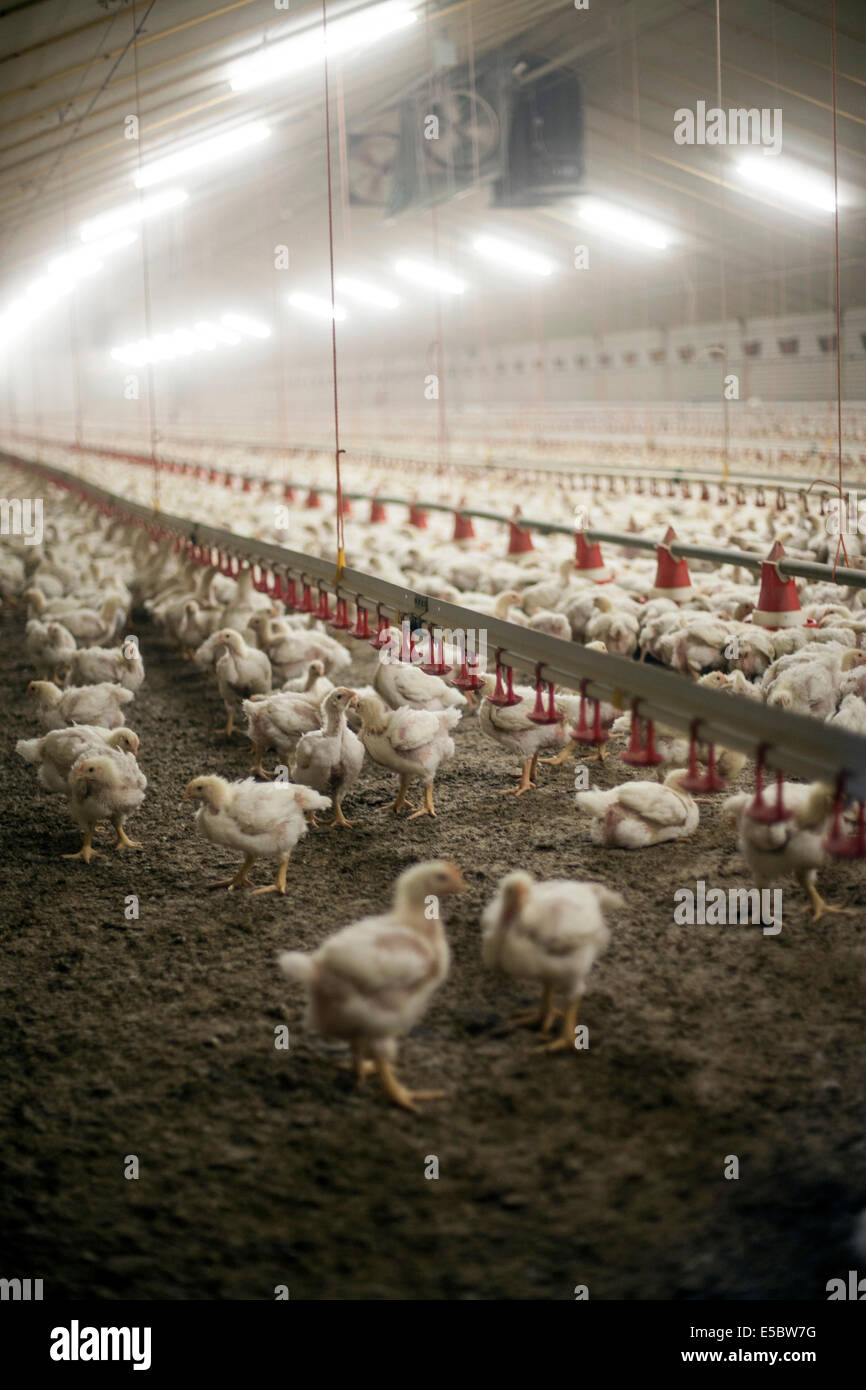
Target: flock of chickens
x,y
279,672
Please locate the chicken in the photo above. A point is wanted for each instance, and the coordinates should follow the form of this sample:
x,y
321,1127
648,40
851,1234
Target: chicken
x,y
413,742
56,753
108,785
86,704
370,983
279,721
313,683
93,665
49,645
851,714
511,727
775,850
807,681
637,814
96,625
291,648
401,683
261,821
551,932
330,759
241,671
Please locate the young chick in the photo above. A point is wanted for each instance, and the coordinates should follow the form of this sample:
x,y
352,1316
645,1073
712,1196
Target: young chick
x,y
262,821
49,646
789,848
56,753
413,742
511,727
104,786
278,721
330,759
370,983
86,704
551,932
636,814
241,671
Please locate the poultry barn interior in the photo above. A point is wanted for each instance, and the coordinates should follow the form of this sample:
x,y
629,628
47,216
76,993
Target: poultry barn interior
x,y
433,577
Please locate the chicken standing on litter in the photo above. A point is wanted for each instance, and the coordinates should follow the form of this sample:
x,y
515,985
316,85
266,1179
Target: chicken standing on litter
x,y
370,983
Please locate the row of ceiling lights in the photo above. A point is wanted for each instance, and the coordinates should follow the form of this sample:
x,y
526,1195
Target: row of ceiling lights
x,y
111,230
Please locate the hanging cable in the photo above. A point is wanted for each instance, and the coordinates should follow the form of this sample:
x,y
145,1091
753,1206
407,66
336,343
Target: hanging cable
x,y
341,546
145,268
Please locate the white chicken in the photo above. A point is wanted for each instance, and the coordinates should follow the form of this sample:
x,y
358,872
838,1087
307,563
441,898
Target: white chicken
x,y
241,671
413,742
637,814
401,683
56,753
807,681
262,821
49,645
788,848
370,983
118,665
104,786
279,721
330,759
551,932
86,704
511,727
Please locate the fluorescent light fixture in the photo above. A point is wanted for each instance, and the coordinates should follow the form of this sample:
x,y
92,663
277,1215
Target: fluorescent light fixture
x,y
130,213
622,224
513,257
240,323
216,333
347,35
421,273
789,181
194,157
364,293
319,308
183,342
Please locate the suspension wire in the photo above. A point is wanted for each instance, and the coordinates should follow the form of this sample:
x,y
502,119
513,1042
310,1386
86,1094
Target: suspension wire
x,y
145,268
434,218
723,295
73,334
341,545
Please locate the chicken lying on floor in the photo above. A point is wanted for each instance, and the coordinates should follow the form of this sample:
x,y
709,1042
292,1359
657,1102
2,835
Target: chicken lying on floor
x,y
262,821
636,814
79,704
104,786
49,646
370,983
330,759
789,848
93,665
56,753
551,932
413,742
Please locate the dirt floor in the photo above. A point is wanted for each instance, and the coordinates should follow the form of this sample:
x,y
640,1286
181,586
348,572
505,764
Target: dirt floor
x,y
261,1167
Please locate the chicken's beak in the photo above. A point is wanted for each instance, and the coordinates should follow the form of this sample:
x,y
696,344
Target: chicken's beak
x,y
187,794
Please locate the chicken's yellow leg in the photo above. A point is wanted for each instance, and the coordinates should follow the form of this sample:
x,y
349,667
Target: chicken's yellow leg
x,y
230,723
240,879
397,1092
257,770
279,885
428,809
542,1017
566,1037
400,800
561,757
87,852
819,906
123,841
340,819
526,783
